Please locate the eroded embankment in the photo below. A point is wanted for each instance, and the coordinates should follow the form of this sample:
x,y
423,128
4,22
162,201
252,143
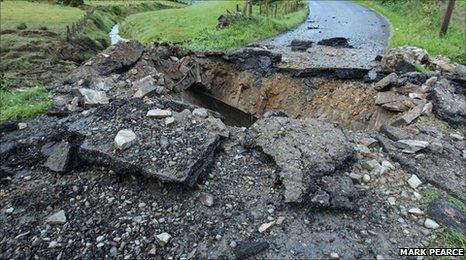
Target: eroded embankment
x,y
349,102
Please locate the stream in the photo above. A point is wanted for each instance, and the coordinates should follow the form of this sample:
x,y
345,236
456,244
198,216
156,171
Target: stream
x,y
114,34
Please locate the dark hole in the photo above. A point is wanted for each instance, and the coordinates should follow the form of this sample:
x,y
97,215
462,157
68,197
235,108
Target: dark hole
x,y
231,115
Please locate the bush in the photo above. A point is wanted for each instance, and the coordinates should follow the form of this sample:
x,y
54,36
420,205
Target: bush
x,y
73,3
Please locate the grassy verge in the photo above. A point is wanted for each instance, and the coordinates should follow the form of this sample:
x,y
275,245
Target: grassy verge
x,y
450,238
417,23
23,103
195,26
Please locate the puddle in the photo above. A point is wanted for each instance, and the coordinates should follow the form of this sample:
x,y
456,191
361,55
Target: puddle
x,y
114,34
231,115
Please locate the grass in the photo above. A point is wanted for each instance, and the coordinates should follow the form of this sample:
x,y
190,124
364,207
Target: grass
x,y
36,15
195,26
23,103
450,238
417,23
132,2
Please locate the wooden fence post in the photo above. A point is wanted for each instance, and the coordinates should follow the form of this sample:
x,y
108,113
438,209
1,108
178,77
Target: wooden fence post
x,y
447,17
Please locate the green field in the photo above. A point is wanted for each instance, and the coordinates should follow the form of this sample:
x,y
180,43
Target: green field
x,y
417,23
24,103
36,15
195,26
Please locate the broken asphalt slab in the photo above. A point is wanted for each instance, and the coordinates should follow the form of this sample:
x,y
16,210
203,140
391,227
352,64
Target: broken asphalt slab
x,y
304,151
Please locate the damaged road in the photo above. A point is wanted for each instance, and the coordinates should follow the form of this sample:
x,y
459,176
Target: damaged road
x,y
121,167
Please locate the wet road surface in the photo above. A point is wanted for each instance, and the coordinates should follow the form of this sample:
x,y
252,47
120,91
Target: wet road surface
x,y
366,30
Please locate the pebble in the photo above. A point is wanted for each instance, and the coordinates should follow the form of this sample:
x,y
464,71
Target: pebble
x,y
391,201
264,227
218,237
141,205
9,210
431,224
366,178
233,244
125,139
334,255
457,136
370,164
436,147
99,239
159,113
414,181
53,244
169,120
280,220
57,218
200,112
22,126
206,199
113,252
152,252
416,211
163,238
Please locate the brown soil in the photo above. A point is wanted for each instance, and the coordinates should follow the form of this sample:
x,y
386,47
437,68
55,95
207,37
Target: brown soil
x,y
349,103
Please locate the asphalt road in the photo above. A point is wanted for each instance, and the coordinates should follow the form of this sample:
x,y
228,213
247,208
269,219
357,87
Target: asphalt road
x,y
366,30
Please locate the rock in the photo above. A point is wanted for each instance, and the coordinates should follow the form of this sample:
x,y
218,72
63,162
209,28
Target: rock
x,y
403,59
370,165
385,83
444,65
427,109
416,211
394,133
321,199
146,87
200,112
386,166
159,113
366,178
8,126
163,238
340,42
125,139
362,149
206,199
302,149
414,181
391,201
436,147
334,255
341,191
367,141
280,220
245,249
444,212
264,227
22,126
431,224
411,146
117,58
113,252
356,177
93,97
300,44
409,116
59,159
169,121
413,78
57,218
152,252
457,136
449,102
